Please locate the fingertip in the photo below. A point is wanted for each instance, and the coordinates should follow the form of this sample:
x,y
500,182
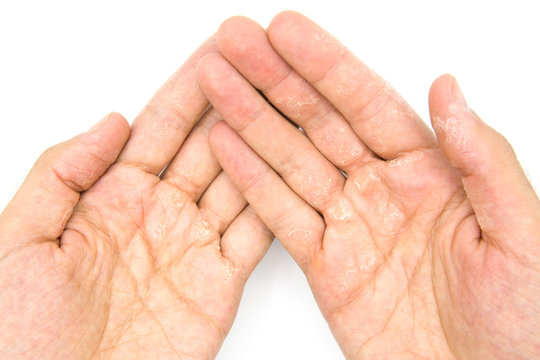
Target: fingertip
x,y
456,126
216,134
236,158
448,109
282,24
245,44
200,68
224,142
119,124
111,133
284,17
212,69
232,31
441,94
117,117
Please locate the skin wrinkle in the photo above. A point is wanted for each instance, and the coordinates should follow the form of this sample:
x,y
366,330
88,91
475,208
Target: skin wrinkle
x,y
154,316
392,216
172,288
300,235
74,320
124,325
355,294
371,236
398,302
93,285
144,216
192,305
294,105
358,182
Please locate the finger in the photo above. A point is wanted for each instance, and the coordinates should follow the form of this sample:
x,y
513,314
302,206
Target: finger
x,y
44,203
161,127
195,167
245,44
246,241
285,148
504,202
380,117
221,203
295,223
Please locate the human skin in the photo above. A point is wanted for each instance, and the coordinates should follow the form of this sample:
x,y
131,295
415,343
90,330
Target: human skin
x,y
103,257
429,246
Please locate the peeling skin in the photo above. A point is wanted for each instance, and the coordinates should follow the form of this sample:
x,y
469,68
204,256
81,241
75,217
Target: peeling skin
x,y
294,106
228,270
363,182
393,218
406,159
341,211
452,127
156,231
367,262
349,279
381,199
328,41
335,140
64,220
354,270
457,109
452,130
318,191
299,235
346,155
201,230
391,214
178,200
322,37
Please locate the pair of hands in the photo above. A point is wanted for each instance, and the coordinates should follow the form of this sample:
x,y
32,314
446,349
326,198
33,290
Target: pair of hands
x,y
137,243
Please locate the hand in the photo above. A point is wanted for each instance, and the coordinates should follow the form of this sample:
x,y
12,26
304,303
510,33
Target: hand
x,y
424,249
101,256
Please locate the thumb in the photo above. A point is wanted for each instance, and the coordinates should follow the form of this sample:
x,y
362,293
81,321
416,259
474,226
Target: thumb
x,y
506,206
42,206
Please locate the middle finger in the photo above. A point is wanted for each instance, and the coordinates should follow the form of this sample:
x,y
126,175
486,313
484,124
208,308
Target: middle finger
x,y
282,146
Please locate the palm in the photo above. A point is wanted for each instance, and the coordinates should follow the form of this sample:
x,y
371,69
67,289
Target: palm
x,y
170,287
381,258
148,275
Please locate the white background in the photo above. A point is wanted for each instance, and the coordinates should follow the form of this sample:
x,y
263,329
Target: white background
x,y
66,64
